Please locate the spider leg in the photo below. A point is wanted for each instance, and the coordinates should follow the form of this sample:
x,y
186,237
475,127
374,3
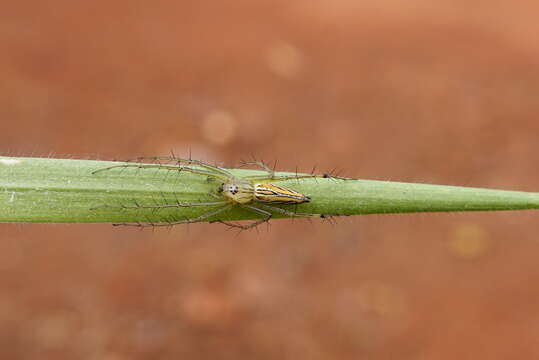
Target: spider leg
x,y
180,161
165,167
291,213
253,224
260,164
294,177
176,205
186,221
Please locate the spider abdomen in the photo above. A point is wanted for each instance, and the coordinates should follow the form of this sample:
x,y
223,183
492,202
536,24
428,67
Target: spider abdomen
x,y
271,193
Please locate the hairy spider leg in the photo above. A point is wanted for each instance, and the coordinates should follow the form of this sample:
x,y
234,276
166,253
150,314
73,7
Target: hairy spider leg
x,y
291,177
271,172
176,205
253,224
167,167
268,215
290,213
186,221
184,161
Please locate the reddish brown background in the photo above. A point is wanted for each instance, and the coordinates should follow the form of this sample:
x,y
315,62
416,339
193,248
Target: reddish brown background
x,y
439,92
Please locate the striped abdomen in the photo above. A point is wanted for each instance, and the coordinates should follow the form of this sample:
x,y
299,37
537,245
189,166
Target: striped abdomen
x,y
271,193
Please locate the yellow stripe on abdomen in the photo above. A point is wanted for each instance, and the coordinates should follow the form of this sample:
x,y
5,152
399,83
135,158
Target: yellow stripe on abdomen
x,y
272,193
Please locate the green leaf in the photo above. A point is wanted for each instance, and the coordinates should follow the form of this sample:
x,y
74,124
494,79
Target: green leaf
x,y
63,190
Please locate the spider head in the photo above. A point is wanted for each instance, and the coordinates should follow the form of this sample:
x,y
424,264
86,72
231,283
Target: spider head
x,y
238,192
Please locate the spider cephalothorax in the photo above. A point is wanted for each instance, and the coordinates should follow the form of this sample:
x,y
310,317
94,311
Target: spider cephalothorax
x,y
238,191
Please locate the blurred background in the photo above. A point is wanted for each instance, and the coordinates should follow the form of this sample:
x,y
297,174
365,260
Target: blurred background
x,y
437,92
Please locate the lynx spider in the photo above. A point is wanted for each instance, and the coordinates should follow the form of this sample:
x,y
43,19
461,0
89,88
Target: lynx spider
x,y
256,193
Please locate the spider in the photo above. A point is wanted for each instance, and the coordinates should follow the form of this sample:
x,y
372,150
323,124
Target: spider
x,y
256,193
